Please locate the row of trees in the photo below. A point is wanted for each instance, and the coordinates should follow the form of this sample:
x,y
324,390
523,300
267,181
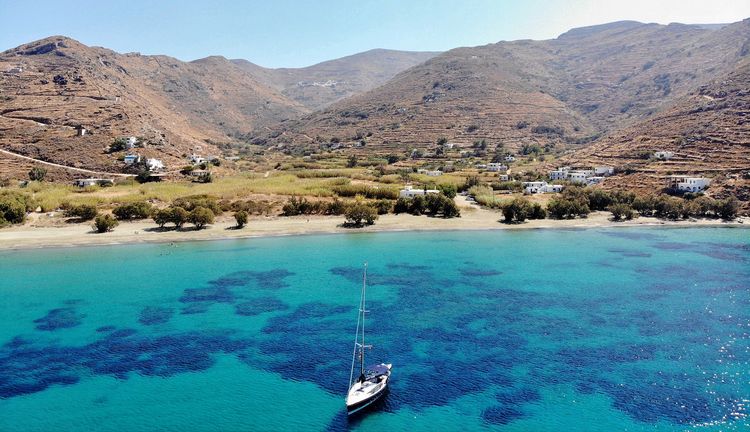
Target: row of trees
x,y
579,202
430,204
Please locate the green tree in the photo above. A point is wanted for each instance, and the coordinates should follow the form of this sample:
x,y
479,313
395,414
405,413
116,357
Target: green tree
x,y
163,216
442,141
104,223
358,212
727,208
518,210
37,173
448,190
241,218
180,216
118,144
621,211
201,216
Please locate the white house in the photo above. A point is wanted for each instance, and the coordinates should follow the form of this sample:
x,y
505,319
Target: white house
x,y
534,187
93,182
663,155
448,146
131,159
553,188
80,130
503,177
510,158
578,176
594,180
687,184
559,174
604,170
481,166
409,192
154,164
196,159
496,167
435,173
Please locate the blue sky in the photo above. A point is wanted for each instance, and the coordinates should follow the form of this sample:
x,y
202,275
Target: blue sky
x,y
285,33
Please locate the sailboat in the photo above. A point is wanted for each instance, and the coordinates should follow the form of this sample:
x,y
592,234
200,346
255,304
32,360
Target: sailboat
x,y
372,382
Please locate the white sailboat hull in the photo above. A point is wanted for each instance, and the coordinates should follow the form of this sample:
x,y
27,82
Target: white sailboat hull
x,y
364,393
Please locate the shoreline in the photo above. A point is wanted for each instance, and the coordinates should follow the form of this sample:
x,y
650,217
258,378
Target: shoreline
x,y
30,236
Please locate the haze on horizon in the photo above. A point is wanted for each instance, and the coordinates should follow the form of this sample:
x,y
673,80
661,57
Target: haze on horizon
x,y
285,33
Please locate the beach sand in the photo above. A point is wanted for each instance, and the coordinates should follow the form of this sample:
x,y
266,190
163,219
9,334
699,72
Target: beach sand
x,y
34,234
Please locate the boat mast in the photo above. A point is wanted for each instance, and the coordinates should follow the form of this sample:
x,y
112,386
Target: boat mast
x,y
363,346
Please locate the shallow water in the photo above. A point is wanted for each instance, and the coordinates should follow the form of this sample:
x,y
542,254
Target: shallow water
x,y
619,329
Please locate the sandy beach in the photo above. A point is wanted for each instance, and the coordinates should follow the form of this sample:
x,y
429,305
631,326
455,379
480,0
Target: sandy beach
x,y
34,234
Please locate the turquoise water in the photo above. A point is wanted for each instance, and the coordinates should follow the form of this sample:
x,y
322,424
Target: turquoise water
x,y
546,330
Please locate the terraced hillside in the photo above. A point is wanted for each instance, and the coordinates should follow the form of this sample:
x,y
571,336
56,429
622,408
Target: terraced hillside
x,y
708,131
50,87
572,89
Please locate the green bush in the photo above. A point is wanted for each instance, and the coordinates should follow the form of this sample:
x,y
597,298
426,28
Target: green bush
x,y
136,210
189,203
516,210
83,212
571,203
448,190
13,207
383,206
37,173
537,212
727,209
621,211
352,190
201,216
104,223
358,212
241,218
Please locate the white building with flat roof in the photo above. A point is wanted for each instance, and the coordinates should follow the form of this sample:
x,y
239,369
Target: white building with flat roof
x,y
685,183
410,192
496,167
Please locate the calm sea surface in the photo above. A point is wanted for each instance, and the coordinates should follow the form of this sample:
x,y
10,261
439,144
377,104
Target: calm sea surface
x,y
546,330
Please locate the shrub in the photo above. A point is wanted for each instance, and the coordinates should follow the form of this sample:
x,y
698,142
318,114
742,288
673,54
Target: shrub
x,y
517,210
470,182
119,144
352,190
667,207
537,212
13,207
241,218
727,209
402,206
37,173
335,207
417,205
351,162
599,199
383,206
189,203
359,211
448,190
104,223
83,212
136,210
644,205
201,216
621,211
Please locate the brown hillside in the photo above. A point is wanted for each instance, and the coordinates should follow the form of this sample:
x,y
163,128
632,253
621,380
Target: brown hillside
x,y
322,84
708,131
51,86
585,83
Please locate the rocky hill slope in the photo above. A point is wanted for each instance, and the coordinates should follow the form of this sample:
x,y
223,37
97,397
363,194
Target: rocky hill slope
x,y
50,87
322,84
708,131
572,89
